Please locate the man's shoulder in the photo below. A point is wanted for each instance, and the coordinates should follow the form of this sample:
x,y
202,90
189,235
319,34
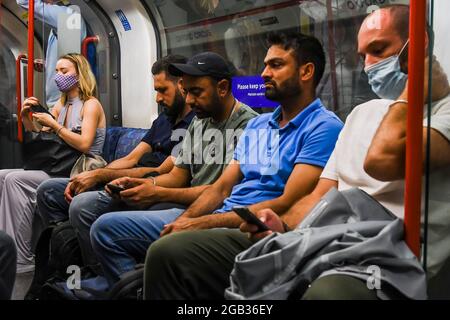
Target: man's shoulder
x,y
161,120
370,108
326,117
246,112
441,106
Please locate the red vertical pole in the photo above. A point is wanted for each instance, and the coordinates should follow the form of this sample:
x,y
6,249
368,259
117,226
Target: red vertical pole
x,y
413,174
30,74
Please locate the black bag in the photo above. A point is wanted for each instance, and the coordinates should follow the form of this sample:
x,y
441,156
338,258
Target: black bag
x,y
47,152
56,249
130,286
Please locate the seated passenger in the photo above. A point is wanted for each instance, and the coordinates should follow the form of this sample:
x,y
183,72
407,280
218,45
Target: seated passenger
x,y
209,95
7,266
278,159
77,109
344,170
153,152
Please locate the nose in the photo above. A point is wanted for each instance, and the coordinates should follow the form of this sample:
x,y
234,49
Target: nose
x,y
159,98
189,99
370,60
266,72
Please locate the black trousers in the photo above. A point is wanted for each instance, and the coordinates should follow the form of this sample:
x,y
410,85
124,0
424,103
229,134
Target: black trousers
x,y
8,257
196,266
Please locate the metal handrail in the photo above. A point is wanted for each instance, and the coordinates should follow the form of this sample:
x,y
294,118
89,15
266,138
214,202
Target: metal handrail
x,y
19,96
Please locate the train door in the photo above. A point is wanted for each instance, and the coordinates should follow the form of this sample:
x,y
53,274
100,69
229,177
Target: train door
x,y
13,43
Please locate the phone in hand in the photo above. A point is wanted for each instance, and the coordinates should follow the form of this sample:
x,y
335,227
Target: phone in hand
x,y
115,189
40,109
249,217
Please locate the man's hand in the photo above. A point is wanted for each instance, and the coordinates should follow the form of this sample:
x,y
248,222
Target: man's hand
x,y
139,193
182,224
39,65
270,218
81,183
439,81
85,181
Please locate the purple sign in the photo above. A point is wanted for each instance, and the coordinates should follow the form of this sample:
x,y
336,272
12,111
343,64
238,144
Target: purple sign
x,y
251,90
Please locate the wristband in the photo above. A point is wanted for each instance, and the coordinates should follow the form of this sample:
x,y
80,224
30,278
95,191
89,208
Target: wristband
x,y
398,101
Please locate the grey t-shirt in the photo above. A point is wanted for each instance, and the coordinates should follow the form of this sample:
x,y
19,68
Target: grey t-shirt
x,y
208,146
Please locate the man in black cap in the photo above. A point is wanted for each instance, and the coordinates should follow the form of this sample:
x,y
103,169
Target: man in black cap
x,y
207,148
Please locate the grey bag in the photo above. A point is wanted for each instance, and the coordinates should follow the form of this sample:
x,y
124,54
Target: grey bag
x,y
87,162
348,233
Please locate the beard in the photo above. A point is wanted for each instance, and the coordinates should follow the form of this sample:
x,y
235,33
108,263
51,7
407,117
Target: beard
x,y
177,107
286,89
210,110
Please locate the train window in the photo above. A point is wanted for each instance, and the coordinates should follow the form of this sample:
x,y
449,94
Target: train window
x,y
237,29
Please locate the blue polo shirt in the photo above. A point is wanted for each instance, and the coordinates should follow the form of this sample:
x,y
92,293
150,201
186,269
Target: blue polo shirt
x,y
267,153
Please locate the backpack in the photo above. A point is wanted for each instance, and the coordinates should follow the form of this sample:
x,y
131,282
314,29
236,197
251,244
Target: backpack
x,y
56,249
130,286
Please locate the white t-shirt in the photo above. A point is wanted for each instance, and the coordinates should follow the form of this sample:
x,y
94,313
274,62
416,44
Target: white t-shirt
x,y
346,166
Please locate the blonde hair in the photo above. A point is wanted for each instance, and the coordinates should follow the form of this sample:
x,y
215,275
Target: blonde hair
x,y
87,83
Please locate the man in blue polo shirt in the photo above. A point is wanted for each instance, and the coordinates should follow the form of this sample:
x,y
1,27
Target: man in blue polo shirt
x,y
279,158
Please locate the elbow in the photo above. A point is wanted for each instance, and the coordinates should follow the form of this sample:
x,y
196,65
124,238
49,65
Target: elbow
x,y
84,148
383,168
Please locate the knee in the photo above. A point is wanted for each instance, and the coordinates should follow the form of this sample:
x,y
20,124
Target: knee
x,y
13,178
78,212
104,228
169,249
45,193
339,287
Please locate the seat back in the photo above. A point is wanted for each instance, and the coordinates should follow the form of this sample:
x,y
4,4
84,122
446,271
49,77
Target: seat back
x,y
121,141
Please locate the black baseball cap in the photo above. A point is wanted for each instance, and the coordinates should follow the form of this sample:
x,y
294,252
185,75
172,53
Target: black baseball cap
x,y
203,64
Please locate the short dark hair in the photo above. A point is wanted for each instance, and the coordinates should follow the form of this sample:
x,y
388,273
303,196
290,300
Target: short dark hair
x,y
162,65
400,18
306,49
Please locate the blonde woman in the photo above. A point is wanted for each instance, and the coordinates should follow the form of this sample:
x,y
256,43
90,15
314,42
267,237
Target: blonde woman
x,y
77,110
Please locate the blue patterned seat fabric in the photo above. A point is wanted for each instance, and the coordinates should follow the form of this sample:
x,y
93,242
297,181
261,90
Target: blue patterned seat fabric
x,y
121,141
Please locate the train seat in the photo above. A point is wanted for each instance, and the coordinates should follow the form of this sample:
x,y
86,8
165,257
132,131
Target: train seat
x,y
121,141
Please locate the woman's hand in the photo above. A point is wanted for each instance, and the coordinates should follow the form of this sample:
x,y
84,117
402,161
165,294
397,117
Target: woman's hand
x,y
26,106
46,120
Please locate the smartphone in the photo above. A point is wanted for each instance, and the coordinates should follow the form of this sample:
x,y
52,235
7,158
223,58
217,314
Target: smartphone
x,y
249,217
40,109
115,189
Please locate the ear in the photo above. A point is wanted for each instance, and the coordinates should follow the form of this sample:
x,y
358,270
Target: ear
x,y
180,86
223,87
307,72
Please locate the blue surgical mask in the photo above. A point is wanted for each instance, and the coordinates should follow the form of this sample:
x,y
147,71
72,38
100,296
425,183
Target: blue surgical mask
x,y
386,77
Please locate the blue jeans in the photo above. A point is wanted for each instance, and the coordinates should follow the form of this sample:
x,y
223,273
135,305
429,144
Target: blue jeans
x,y
82,212
121,239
